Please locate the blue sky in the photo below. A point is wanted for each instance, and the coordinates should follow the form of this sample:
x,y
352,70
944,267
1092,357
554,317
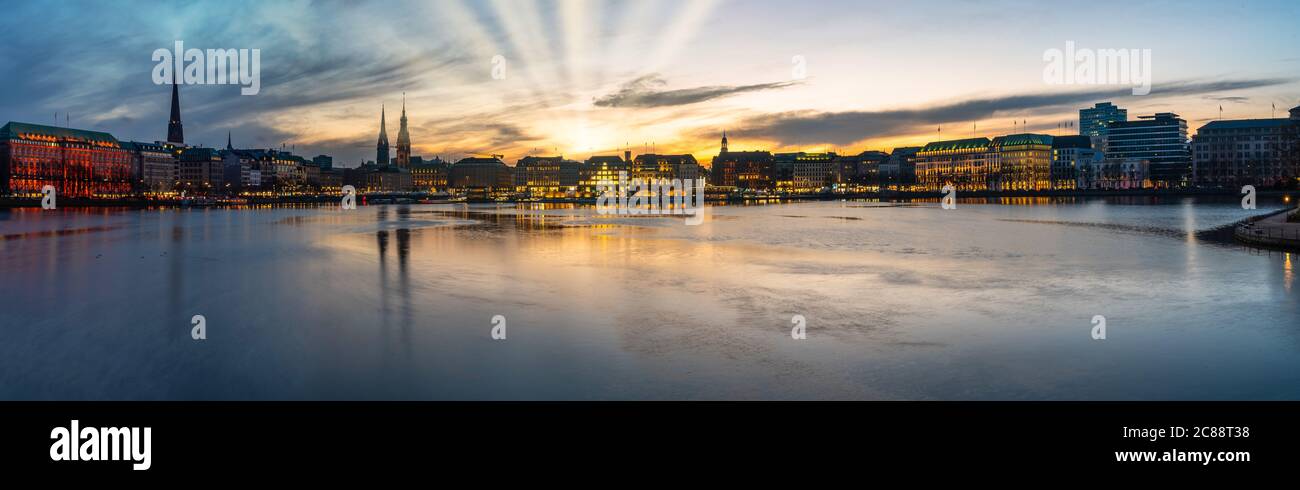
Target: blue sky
x,y
586,77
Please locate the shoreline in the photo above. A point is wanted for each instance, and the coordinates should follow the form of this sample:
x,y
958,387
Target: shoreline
x,y
11,203
1270,230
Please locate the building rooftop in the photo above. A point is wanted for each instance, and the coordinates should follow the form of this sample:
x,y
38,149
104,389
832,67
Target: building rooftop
x,y
1022,139
480,161
966,144
18,130
605,159
1079,141
1246,124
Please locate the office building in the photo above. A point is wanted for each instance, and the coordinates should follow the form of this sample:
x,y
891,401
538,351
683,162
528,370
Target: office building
x,y
1160,140
1258,152
1093,121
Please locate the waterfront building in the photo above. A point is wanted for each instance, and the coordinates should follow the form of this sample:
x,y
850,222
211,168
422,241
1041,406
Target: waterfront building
x,y
1020,162
541,176
237,170
381,148
1259,152
962,163
372,178
1073,162
651,166
1121,174
744,170
481,177
310,176
329,181
785,170
290,177
78,163
1093,121
858,172
1160,140
899,170
153,167
429,176
570,177
201,171
403,141
811,172
599,171
325,162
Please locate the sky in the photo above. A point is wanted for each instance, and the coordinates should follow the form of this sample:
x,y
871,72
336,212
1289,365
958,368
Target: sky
x,y
588,77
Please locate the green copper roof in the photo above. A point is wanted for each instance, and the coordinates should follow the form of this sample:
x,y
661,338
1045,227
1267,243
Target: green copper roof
x,y
1024,139
15,129
966,144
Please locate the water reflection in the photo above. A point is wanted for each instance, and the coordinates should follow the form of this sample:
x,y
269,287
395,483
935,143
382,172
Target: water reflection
x,y
903,300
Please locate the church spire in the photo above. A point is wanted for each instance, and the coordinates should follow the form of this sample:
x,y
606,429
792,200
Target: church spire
x,y
228,145
403,140
381,150
724,141
175,133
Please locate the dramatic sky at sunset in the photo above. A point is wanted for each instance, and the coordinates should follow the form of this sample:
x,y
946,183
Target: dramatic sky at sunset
x,y
588,77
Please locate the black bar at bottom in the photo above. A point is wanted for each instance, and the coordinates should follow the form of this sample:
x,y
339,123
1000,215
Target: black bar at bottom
x,y
395,438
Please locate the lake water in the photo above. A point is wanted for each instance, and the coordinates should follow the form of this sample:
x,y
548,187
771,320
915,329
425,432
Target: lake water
x,y
992,300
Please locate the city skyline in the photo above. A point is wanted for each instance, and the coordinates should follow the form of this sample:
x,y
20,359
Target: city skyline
x,y
672,88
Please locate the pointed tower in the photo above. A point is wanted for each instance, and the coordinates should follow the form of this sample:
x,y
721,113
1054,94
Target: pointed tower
x,y
175,134
381,152
403,141
724,141
228,145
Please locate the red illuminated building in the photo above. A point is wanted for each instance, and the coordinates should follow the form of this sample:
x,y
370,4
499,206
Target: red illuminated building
x,y
77,163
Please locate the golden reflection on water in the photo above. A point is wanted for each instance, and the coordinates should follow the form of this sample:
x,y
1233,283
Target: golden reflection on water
x,y
1288,273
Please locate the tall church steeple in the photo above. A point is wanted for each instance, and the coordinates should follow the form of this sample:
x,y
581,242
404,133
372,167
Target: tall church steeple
x,y
724,141
228,145
403,140
175,133
381,152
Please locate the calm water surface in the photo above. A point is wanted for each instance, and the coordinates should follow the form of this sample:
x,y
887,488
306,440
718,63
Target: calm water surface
x,y
902,300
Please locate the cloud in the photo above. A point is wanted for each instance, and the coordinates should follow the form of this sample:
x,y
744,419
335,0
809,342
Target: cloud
x,y
644,92
844,128
1235,100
